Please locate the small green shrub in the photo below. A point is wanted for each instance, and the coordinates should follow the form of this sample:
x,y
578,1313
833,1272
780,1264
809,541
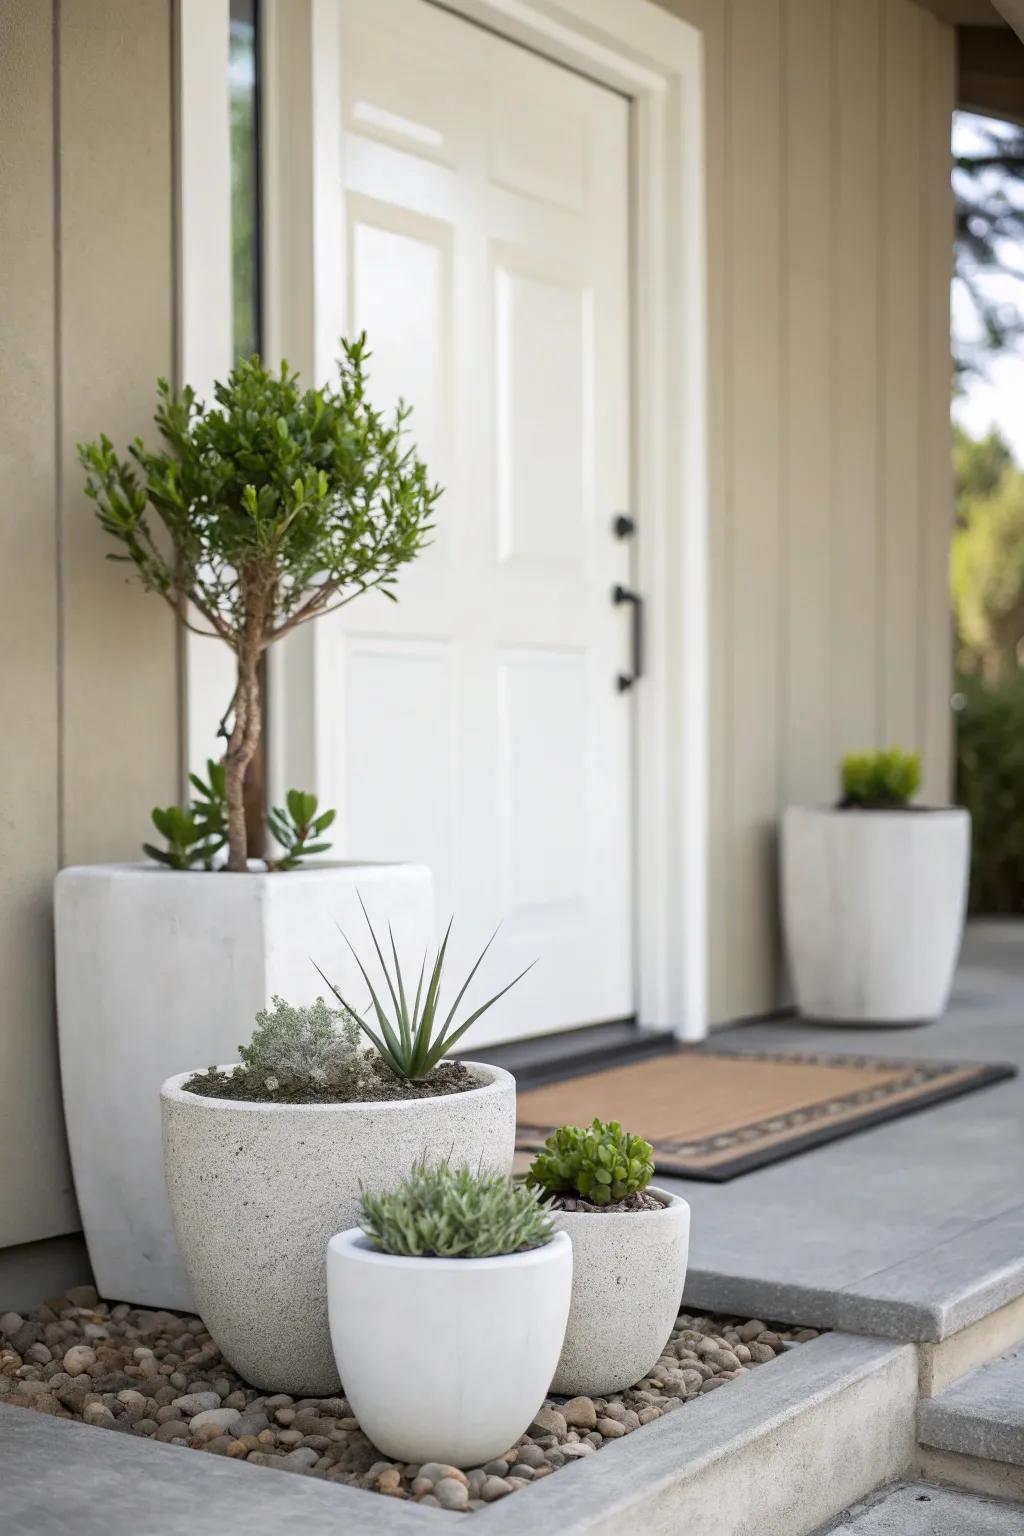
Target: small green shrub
x,y
411,1041
880,780
295,1055
604,1164
990,783
454,1213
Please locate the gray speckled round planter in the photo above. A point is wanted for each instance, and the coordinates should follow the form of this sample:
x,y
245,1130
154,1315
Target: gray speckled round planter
x,y
627,1282
256,1191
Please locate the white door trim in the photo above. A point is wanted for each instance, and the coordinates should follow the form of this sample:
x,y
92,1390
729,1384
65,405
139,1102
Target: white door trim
x,y
657,60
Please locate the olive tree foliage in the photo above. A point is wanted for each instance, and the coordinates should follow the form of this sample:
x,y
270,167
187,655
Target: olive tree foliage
x,y
269,507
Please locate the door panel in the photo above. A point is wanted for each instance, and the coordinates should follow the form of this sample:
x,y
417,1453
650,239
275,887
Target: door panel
x,y
476,724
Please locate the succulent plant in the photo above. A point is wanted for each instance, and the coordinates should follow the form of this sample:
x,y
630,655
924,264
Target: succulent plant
x,y
880,779
455,1213
190,839
196,834
602,1163
412,1041
298,828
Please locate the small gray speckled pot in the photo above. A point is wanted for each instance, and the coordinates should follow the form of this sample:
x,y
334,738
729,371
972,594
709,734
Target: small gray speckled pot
x,y
256,1191
628,1271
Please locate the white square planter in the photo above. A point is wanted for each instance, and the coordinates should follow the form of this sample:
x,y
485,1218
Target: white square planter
x,y
160,972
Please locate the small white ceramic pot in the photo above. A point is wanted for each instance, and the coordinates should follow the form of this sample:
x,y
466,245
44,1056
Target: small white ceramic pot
x,y
873,906
256,1191
628,1274
446,1359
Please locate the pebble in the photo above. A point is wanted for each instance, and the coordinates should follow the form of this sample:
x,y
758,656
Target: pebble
x,y
451,1494
160,1375
301,1457
174,1429
611,1429
548,1421
221,1418
196,1402
79,1359
580,1413
250,1423
440,1471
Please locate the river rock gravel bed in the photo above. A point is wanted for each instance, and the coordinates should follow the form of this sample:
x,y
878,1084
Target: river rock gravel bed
x,y
159,1374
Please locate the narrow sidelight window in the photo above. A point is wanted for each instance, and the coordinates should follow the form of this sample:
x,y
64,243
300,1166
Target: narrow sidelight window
x,y
244,87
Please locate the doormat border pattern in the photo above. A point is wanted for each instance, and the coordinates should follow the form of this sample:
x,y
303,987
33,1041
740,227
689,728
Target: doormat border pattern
x,y
811,1125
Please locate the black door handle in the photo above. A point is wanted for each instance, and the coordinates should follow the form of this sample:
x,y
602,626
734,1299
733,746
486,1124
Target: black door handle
x,y
620,595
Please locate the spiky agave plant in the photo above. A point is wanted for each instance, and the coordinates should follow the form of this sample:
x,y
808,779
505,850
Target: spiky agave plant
x,y
411,1042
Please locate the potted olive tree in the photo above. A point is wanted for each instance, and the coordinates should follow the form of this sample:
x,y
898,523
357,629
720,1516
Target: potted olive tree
x,y
473,1266
630,1245
260,511
267,1159
874,891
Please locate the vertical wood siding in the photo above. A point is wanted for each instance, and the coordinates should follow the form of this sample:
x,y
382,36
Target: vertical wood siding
x,y
829,254
829,236
90,690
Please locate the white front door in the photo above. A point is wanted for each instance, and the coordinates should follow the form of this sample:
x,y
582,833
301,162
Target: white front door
x,y
477,725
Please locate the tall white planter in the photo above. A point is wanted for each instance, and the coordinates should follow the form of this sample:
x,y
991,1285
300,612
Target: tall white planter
x,y
873,907
446,1359
159,971
256,1191
629,1268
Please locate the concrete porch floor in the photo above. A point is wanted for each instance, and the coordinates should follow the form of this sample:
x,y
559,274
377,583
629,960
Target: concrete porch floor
x,y
911,1230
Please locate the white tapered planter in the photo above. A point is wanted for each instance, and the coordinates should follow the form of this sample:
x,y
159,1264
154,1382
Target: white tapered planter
x,y
873,907
159,971
629,1268
446,1359
256,1191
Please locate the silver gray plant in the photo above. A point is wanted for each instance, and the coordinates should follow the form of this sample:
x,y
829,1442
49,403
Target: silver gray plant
x,y
315,1047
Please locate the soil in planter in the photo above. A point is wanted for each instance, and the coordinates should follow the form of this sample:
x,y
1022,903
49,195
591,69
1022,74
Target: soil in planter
x,y
640,1201
245,1086
159,1375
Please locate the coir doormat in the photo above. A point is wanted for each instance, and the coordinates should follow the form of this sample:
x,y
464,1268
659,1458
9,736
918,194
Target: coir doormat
x,y
713,1115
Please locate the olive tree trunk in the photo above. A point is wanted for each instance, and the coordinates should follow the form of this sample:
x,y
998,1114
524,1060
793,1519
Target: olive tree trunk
x,y
242,744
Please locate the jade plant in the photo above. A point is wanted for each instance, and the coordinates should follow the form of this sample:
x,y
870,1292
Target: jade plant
x,y
879,780
456,1213
296,1055
267,507
412,1040
602,1163
195,836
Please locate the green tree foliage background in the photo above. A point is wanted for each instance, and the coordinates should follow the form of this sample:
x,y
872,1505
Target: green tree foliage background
x,y
987,582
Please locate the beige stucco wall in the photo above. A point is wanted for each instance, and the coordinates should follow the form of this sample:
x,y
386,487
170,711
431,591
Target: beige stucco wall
x,y
90,677
831,500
